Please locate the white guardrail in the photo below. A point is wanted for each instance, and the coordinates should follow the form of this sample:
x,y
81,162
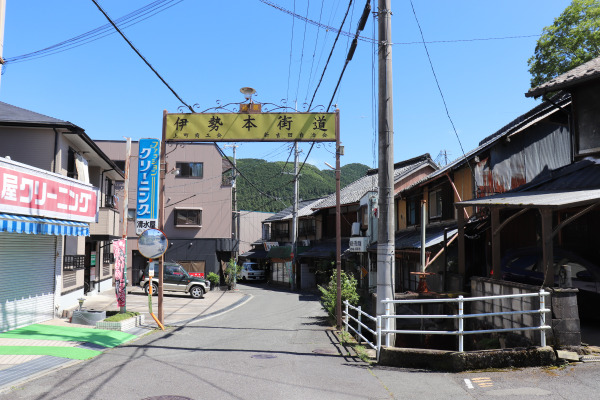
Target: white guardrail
x,y
461,316
359,324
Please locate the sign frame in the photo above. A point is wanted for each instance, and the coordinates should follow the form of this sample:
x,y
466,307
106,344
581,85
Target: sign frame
x,y
251,127
148,185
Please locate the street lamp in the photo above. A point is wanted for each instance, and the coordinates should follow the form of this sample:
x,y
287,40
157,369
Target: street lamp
x,y
248,92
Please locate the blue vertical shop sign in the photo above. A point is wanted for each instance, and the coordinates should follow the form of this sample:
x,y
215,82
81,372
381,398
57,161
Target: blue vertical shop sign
x,y
146,214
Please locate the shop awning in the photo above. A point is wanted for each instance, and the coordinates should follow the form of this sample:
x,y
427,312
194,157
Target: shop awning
x,y
323,250
257,253
42,226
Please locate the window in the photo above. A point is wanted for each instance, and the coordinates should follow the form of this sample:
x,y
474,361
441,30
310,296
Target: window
x,y
187,217
131,213
307,227
435,204
413,210
190,170
71,169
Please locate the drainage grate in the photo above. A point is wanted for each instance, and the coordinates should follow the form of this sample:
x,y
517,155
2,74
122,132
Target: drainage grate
x,y
263,356
590,358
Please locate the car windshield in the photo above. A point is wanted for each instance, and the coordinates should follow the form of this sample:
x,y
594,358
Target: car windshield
x,y
254,267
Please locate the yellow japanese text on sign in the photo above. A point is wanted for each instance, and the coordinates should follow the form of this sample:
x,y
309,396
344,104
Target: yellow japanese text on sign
x,y
263,127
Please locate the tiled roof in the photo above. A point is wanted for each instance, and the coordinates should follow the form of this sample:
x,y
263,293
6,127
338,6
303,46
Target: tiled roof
x,y
585,72
20,116
352,193
304,209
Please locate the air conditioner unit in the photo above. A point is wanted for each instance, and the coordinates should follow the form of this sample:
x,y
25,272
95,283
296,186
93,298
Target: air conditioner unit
x,y
356,229
305,242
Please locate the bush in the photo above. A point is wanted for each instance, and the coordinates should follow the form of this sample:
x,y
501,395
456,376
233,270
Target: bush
x,y
329,293
121,316
213,278
232,271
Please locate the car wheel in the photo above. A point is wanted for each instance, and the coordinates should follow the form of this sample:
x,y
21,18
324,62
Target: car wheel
x,y
154,289
197,292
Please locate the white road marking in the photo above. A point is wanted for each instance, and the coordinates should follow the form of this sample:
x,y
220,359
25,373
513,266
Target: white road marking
x,y
469,384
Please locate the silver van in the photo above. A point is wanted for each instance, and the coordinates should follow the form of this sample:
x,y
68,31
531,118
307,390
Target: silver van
x,y
252,271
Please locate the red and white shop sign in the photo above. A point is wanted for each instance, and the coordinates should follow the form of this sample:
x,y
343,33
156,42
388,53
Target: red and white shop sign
x,y
30,191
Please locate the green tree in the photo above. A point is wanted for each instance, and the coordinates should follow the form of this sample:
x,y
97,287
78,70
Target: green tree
x,y
329,293
572,40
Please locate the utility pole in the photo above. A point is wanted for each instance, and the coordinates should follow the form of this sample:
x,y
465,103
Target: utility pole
x,y
125,208
295,217
236,216
385,237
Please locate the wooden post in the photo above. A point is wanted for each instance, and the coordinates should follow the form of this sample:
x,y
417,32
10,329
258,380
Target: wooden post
x,y
547,250
496,255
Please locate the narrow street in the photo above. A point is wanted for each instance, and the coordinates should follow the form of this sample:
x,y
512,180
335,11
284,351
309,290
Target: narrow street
x,y
278,345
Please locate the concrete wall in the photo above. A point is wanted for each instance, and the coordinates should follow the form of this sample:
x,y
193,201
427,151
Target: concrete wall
x,y
563,317
490,287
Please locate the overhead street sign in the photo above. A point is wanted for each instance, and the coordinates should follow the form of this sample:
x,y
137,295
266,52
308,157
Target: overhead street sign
x,y
251,127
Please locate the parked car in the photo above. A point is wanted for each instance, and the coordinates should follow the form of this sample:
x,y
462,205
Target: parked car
x,y
175,279
252,271
571,271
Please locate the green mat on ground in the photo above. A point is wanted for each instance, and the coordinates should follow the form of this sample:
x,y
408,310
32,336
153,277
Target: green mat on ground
x,y
75,353
101,337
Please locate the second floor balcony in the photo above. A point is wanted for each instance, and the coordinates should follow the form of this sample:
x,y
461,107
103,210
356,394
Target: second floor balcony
x,y
108,223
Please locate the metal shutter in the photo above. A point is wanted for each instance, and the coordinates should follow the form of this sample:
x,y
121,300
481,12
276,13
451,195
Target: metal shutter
x,y
27,279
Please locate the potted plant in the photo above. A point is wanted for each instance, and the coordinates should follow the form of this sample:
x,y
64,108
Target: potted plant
x,y
213,278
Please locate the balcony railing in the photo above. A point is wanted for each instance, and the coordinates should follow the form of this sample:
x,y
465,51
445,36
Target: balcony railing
x,y
71,263
110,201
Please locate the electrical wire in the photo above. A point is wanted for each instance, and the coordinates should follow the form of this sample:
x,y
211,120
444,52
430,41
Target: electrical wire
x,y
310,75
373,40
287,93
126,21
329,58
301,55
141,56
360,27
440,89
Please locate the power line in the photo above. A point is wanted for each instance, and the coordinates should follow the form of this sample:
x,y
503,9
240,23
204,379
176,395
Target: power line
x,y
329,58
361,25
301,56
287,93
439,87
373,40
310,75
133,18
141,56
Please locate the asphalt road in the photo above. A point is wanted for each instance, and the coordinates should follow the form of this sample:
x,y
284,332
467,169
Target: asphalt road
x,y
278,346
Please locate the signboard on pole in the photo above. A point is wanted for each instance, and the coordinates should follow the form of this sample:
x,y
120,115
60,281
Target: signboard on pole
x,y
358,244
259,127
146,214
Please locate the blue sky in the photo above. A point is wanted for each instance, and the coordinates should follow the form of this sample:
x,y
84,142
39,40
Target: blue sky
x,y
207,51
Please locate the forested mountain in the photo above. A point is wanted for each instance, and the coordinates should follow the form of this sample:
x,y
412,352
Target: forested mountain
x,y
276,179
